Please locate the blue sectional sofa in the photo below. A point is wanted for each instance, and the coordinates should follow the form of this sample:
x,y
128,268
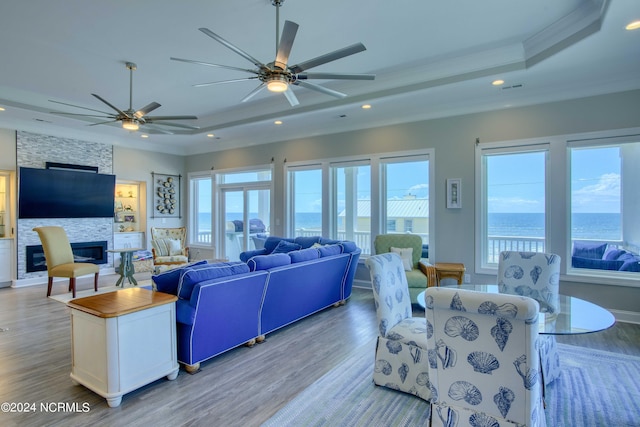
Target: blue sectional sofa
x,y
224,305
602,256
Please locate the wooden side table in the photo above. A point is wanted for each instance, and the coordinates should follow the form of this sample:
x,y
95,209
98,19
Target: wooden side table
x,y
449,270
122,341
126,265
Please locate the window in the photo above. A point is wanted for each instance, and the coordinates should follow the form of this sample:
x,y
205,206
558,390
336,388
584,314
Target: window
x,y
512,201
406,195
357,199
351,216
605,204
305,201
200,210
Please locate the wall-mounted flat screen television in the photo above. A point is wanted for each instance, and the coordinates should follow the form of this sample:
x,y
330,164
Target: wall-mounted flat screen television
x,y
64,193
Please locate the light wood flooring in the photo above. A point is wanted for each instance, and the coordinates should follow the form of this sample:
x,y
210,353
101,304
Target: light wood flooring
x,y
243,387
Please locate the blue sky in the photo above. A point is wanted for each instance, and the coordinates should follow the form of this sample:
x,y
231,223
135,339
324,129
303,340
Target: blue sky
x,y
516,183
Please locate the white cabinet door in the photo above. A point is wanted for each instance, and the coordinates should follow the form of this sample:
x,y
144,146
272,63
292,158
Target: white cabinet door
x,y
5,261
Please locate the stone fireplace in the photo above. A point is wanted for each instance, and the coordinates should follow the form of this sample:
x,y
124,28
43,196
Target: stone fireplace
x,y
93,252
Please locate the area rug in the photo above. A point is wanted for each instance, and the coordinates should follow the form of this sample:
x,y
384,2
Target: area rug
x,y
66,297
596,388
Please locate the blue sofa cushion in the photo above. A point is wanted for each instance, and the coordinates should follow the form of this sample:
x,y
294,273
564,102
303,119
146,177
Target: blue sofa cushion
x,y
185,312
600,264
307,241
272,241
589,250
348,246
168,281
613,253
285,247
630,262
191,276
304,255
325,241
265,262
329,250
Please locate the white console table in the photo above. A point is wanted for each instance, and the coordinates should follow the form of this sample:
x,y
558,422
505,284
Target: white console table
x,y
122,341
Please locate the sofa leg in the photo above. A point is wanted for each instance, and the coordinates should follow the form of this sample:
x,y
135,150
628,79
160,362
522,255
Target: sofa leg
x,y
260,339
336,304
192,369
250,343
343,302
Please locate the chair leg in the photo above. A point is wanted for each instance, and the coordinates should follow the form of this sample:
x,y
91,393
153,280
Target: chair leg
x,y
95,282
49,285
72,286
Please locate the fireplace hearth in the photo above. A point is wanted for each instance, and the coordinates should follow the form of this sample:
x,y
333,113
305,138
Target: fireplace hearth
x,y
93,252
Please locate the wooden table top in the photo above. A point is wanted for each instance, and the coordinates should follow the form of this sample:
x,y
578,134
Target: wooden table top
x,y
118,303
451,266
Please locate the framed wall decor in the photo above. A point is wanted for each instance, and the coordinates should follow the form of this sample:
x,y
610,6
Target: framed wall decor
x,y
166,195
454,193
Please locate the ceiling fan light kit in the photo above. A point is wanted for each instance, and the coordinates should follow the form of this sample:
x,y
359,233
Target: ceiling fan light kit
x,y
278,76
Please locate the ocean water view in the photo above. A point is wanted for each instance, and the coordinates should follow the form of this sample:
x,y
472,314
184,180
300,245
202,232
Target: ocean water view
x,y
600,226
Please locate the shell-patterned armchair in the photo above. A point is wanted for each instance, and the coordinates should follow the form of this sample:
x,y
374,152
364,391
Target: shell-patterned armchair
x,y
168,246
401,361
419,272
484,364
59,257
535,275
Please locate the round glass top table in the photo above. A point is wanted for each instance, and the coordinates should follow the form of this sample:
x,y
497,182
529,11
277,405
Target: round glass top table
x,y
576,316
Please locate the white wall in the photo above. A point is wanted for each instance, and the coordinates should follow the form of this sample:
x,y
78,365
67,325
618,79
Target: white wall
x,y
453,140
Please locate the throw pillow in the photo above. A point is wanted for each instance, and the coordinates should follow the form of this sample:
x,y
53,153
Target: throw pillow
x,y
175,247
285,247
407,257
589,250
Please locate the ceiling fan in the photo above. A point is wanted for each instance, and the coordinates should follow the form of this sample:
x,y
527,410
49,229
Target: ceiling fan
x,y
278,76
131,119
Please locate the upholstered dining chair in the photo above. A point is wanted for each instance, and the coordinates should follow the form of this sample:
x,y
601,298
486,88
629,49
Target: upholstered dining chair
x,y
419,272
59,258
401,351
535,275
168,246
483,361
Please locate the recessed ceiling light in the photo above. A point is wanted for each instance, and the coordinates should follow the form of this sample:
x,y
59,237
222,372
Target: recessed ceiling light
x,y
144,135
1,108
366,106
278,122
497,82
633,25
210,135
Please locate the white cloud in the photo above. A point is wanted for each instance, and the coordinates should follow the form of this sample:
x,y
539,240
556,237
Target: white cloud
x,y
602,196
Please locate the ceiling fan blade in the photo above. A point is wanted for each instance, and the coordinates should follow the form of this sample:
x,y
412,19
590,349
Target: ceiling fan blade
x,y
208,64
108,115
177,125
291,97
321,89
225,81
146,109
157,129
156,118
103,123
286,42
107,102
337,76
253,92
77,106
323,59
233,48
